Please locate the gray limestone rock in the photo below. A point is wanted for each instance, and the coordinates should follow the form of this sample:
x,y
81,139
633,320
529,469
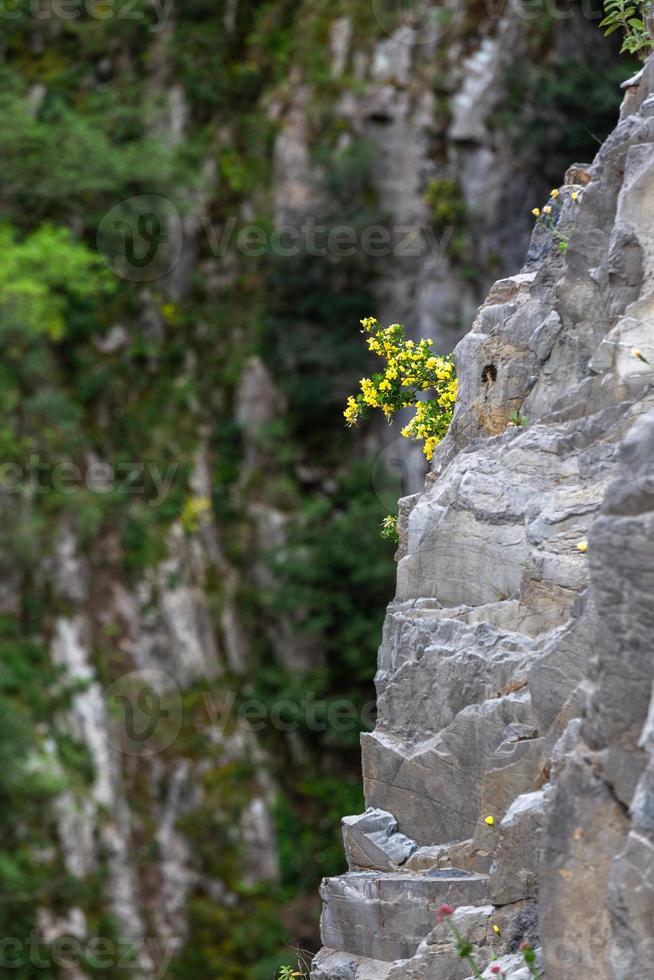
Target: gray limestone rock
x,y
515,729
514,874
437,956
332,965
386,916
371,840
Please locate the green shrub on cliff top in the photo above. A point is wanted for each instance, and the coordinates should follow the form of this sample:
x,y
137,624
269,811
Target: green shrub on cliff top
x,y
634,17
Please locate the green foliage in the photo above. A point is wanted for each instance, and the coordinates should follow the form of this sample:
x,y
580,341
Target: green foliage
x,y
224,942
389,528
318,558
448,215
634,18
445,201
529,956
288,972
223,55
333,702
560,109
40,277
32,772
518,420
58,159
308,828
313,297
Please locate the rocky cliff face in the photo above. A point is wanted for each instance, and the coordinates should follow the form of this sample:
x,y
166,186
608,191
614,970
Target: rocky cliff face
x,y
515,672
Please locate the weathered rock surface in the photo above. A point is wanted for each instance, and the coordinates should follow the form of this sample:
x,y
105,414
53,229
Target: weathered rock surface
x,y
386,916
372,841
516,668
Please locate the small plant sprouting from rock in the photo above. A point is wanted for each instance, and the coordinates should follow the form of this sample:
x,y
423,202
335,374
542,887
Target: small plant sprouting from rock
x,y
412,370
389,528
639,356
194,510
463,945
465,950
529,957
635,18
517,420
546,216
301,968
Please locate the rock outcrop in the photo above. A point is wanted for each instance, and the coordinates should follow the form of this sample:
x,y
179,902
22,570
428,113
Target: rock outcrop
x,y
515,672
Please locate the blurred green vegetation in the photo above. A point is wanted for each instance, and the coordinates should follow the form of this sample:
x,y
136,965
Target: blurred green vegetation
x,y
84,123
563,108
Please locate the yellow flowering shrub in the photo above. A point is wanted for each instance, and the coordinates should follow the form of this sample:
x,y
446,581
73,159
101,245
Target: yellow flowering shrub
x,y
389,528
411,370
193,511
548,215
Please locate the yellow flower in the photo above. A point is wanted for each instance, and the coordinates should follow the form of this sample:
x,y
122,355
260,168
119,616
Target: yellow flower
x,y
547,209
490,821
554,193
410,366
497,930
368,322
536,212
575,195
430,447
193,511
352,411
369,393
583,546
